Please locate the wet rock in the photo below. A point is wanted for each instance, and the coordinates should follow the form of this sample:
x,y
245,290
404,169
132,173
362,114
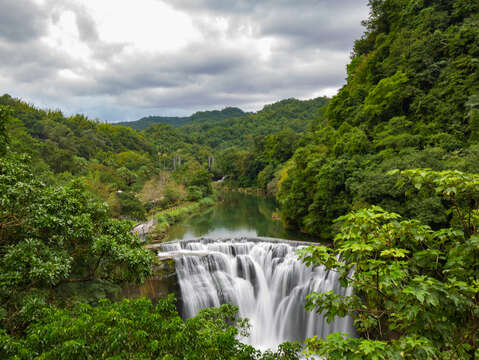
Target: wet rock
x,y
164,281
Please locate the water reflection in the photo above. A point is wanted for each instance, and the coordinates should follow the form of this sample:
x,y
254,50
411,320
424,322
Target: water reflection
x,y
237,215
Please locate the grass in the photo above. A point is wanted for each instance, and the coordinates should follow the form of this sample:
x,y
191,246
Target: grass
x,y
168,217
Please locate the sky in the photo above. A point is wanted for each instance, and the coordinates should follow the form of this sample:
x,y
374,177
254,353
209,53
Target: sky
x,y
120,60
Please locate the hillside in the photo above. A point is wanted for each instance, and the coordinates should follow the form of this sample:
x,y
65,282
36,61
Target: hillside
x,y
410,101
115,162
249,150
111,162
292,114
176,121
391,175
57,139
242,146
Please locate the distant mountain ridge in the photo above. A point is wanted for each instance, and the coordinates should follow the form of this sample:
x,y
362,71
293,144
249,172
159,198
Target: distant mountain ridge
x,y
177,121
240,132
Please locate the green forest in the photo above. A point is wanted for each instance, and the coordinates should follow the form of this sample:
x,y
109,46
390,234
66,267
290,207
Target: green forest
x,y
385,175
176,121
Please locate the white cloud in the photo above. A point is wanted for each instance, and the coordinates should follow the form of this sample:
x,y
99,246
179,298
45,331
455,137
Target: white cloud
x,y
147,25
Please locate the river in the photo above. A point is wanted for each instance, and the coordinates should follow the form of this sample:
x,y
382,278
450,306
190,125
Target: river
x,y
236,215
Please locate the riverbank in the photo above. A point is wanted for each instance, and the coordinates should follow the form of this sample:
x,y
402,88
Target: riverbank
x,y
168,217
235,214
247,191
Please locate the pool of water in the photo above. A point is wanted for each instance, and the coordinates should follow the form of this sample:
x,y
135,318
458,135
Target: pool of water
x,y
236,215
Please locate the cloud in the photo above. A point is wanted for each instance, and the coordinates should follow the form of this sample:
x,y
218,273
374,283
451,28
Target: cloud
x,y
317,23
21,20
173,57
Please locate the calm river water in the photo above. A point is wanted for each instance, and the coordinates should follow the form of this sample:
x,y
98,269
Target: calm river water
x,y
237,215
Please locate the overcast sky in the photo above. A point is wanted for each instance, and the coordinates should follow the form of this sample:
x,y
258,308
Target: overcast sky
x,y
120,60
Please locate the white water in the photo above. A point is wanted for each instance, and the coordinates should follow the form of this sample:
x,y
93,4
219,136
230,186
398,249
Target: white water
x,y
265,279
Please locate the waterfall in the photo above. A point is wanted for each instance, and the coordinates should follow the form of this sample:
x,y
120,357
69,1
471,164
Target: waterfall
x,y
264,279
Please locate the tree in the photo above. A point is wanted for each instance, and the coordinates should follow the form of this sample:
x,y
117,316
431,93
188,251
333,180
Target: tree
x,y
4,118
135,329
473,106
53,237
197,176
131,329
128,176
280,147
416,290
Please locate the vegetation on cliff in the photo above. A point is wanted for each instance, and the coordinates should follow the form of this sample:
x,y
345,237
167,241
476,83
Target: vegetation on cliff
x,y
410,101
409,245
416,289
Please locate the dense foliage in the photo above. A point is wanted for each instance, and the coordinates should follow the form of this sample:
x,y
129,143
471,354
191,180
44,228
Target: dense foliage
x,y
53,237
408,245
135,329
241,132
114,163
4,117
176,121
239,147
253,149
410,101
416,289
106,158
62,255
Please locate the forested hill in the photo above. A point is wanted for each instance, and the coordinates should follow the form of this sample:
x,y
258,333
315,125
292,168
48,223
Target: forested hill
x,y
417,60
411,101
289,114
61,142
116,162
407,238
112,162
241,145
176,121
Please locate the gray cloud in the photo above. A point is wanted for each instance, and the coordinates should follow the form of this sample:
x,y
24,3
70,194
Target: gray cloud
x,y
319,23
304,48
86,27
31,61
21,20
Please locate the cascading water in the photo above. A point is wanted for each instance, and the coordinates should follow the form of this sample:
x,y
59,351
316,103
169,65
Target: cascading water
x,y
264,279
